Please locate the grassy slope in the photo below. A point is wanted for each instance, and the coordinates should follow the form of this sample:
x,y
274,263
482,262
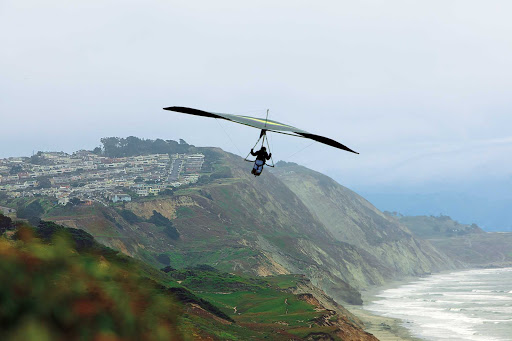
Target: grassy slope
x,y
266,307
238,224
265,226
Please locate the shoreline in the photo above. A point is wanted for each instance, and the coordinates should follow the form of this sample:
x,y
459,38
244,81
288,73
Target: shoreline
x,y
390,328
382,327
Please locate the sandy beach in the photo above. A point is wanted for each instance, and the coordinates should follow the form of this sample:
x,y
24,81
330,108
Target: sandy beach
x,y
384,328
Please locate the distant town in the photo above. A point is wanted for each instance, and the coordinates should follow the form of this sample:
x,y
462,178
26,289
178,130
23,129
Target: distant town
x,y
89,177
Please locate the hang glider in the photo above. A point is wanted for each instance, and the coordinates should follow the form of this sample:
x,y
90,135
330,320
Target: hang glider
x,y
264,125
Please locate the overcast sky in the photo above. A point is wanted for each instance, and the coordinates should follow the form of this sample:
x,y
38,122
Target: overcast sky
x,y
422,89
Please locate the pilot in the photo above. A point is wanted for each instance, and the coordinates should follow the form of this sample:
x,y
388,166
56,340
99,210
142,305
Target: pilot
x,y
261,157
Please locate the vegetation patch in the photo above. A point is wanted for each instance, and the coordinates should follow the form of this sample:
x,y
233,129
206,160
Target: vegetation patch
x,y
168,228
163,258
129,216
184,212
32,212
285,281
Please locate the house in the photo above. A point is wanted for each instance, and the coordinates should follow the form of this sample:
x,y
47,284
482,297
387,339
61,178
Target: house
x,y
120,197
13,195
154,191
194,163
63,200
142,192
88,202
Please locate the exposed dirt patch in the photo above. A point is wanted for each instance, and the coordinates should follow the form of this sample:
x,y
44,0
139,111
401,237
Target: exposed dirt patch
x,y
166,207
119,245
67,223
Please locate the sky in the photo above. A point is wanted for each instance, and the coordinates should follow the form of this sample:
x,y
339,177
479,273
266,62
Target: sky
x,y
422,89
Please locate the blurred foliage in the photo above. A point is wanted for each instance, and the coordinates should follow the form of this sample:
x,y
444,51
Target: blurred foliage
x,y
54,292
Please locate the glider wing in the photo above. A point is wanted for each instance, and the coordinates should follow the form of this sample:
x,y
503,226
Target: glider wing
x,y
261,123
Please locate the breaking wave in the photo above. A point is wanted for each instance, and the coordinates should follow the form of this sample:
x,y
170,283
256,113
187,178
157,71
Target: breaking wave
x,y
463,305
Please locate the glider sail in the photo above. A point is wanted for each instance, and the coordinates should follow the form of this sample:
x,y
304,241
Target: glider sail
x,y
263,124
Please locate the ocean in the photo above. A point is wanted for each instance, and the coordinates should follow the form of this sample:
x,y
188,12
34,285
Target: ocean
x,y
462,305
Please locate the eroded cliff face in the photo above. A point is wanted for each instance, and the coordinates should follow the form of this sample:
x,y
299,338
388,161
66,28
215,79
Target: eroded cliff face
x,y
352,219
281,222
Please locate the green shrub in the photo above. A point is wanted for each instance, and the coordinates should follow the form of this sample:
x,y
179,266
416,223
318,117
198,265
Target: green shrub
x,y
164,259
169,229
129,216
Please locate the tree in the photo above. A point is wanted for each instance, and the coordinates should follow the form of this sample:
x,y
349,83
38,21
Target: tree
x,y
44,183
160,220
16,169
130,146
129,216
111,146
160,147
164,259
75,201
38,159
166,191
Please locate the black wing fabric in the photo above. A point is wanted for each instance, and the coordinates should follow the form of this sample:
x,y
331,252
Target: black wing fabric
x,y
327,141
265,124
196,112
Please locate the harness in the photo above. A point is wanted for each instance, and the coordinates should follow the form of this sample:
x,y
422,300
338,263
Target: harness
x,y
263,138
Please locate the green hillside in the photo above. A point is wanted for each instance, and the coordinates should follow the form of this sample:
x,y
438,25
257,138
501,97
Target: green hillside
x,y
270,225
59,283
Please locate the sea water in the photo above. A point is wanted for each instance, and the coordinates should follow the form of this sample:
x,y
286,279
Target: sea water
x,y
462,305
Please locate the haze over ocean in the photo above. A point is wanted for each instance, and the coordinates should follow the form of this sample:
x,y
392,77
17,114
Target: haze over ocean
x,y
467,305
